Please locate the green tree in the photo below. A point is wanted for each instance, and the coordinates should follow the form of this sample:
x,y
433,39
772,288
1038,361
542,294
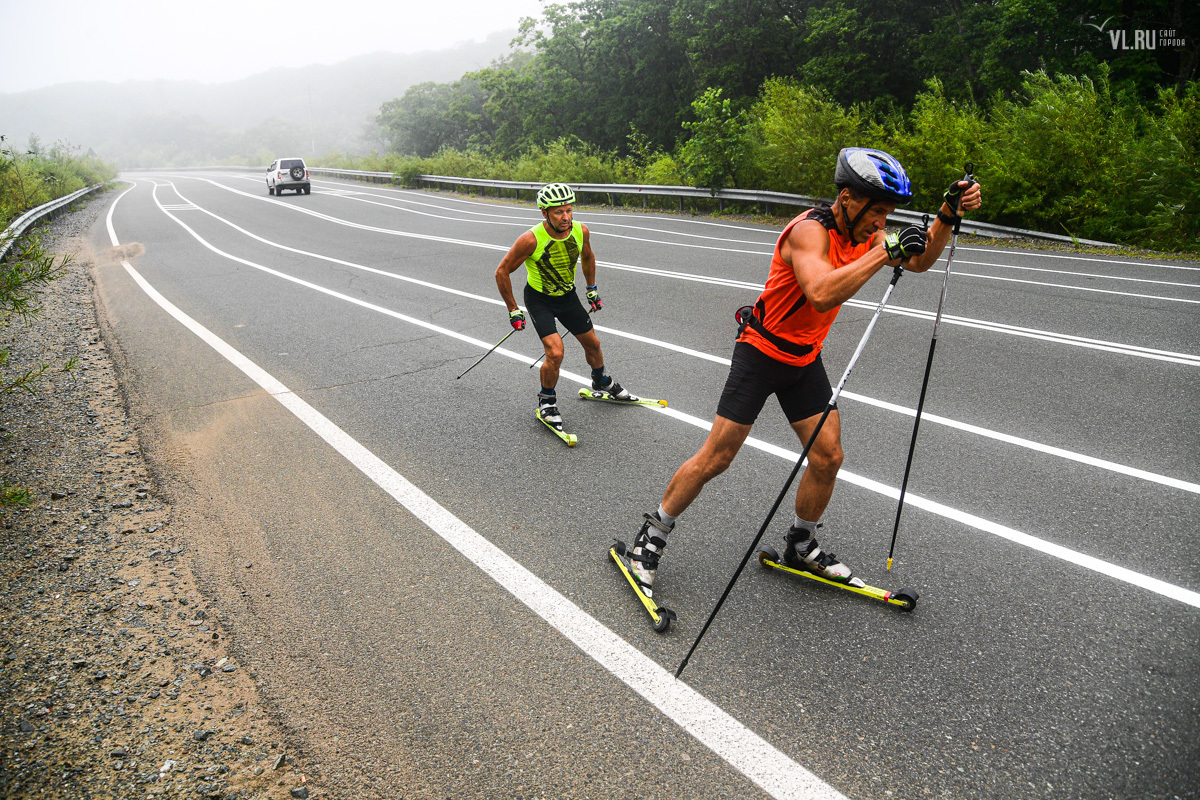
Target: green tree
x,y
606,64
1169,172
863,52
431,116
797,133
941,136
1061,156
716,152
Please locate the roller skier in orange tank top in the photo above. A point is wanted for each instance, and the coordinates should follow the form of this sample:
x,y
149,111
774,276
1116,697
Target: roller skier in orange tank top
x,y
822,258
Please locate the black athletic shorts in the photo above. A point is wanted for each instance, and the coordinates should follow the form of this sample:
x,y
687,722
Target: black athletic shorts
x,y
754,376
544,309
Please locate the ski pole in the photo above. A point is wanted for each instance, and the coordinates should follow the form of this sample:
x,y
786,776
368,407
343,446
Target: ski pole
x,y
969,168
897,272
488,353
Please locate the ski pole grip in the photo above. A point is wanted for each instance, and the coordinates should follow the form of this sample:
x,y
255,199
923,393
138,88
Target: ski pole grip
x,y
969,176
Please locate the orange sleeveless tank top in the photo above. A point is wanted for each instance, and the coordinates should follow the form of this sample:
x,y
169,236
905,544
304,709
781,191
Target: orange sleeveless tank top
x,y
788,329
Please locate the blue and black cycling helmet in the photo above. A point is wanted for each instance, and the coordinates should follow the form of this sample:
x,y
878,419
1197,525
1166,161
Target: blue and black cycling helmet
x,y
555,194
874,174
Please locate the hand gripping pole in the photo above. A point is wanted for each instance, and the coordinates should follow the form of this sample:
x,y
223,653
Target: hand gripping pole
x,y
898,271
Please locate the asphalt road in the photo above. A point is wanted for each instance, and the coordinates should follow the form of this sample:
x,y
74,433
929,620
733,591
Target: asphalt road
x,y
416,569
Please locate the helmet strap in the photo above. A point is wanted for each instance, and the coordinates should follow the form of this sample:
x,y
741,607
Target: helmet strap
x,y
850,224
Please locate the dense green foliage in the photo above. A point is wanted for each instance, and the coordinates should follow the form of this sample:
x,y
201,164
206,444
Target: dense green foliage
x,y
38,175
1069,132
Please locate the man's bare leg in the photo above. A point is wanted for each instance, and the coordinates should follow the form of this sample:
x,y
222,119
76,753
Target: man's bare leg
x,y
824,461
714,457
812,497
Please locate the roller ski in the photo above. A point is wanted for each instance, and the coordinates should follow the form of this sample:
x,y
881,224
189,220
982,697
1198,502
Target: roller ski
x,y
803,557
613,392
547,412
639,564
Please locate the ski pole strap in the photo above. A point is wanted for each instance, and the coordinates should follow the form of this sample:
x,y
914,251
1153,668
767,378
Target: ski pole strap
x,y
947,219
746,317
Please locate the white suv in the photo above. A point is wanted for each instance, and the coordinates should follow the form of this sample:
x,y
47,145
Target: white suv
x,y
287,173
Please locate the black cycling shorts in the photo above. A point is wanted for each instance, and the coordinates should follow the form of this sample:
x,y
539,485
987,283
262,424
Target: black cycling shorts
x,y
754,376
544,309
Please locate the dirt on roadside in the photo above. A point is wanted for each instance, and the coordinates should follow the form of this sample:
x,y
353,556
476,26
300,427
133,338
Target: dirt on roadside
x,y
116,677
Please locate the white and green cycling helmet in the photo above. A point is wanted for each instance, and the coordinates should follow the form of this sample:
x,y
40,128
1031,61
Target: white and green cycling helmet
x,y
555,194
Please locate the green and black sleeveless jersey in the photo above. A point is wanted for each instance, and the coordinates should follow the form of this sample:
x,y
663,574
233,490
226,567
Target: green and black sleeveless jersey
x,y
551,267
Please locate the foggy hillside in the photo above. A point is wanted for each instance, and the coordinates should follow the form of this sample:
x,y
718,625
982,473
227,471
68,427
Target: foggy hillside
x,y
177,123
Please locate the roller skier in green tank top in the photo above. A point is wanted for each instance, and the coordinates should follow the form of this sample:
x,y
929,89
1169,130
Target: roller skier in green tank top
x,y
549,251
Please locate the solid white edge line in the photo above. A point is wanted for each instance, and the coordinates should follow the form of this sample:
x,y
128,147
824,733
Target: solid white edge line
x,y
744,750
1089,562
362,189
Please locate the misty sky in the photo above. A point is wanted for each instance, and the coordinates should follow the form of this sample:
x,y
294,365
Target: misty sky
x,y
58,41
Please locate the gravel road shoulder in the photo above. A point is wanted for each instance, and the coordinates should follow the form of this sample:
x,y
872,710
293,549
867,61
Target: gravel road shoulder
x,y
116,676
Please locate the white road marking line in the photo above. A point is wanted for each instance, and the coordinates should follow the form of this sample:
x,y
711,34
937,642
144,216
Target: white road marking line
x,y
744,750
378,191
948,319
1076,288
768,247
1046,336
1095,275
1093,259
933,418
1089,562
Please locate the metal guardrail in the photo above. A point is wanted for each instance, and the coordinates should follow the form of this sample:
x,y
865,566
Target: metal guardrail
x,y
25,221
766,199
356,174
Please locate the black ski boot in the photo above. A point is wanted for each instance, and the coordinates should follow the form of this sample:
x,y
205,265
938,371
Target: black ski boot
x,y
648,548
802,552
612,388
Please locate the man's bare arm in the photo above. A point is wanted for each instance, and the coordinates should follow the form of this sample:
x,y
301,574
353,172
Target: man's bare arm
x,y
522,249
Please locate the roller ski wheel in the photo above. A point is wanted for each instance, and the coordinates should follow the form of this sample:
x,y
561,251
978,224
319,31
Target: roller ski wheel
x,y
569,438
661,616
633,400
904,599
